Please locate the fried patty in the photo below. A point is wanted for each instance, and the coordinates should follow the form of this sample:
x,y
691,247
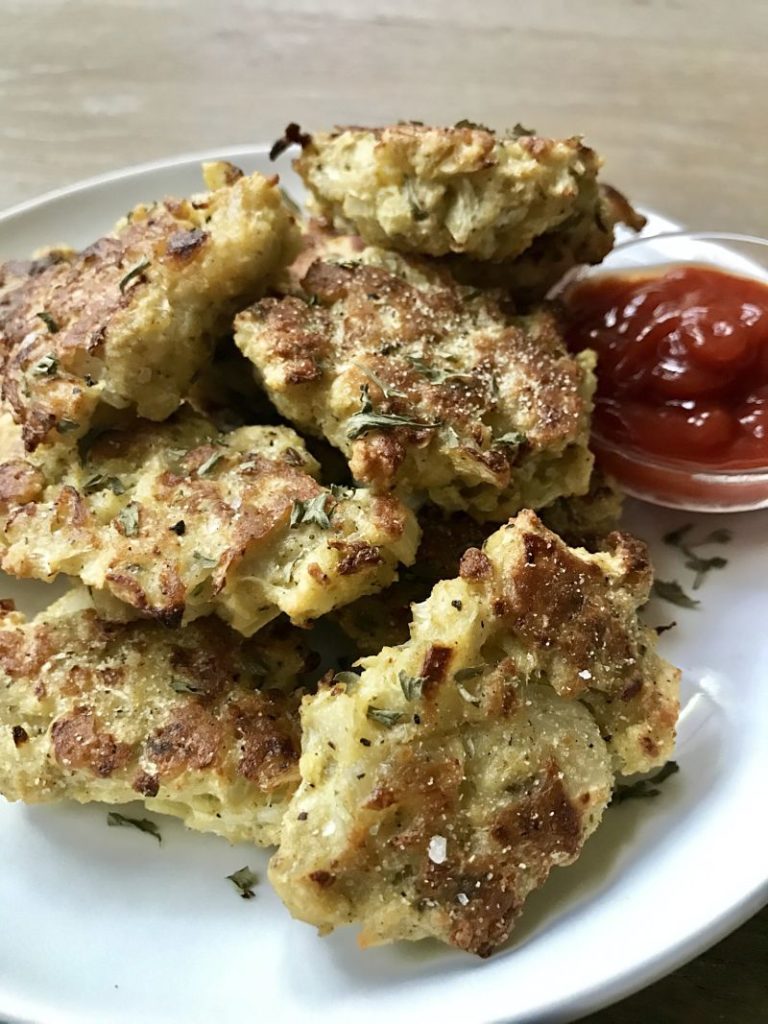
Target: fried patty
x,y
383,620
198,723
438,191
442,786
427,385
586,237
179,520
128,321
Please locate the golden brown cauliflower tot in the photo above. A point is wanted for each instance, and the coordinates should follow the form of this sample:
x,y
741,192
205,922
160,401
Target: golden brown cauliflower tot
x,y
198,723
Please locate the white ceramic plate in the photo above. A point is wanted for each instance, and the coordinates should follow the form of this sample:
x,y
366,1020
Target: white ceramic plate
x,y
104,925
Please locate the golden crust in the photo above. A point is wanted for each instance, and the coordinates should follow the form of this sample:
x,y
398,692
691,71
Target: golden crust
x,y
383,619
178,520
438,191
198,723
442,787
131,319
496,411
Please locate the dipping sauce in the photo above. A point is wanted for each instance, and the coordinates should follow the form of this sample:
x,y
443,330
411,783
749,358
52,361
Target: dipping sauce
x,y
682,363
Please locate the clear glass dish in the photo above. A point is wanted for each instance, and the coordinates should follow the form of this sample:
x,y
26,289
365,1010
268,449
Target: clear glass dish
x,y
672,482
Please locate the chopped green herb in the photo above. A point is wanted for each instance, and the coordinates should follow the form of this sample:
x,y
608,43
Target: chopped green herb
x,y
128,518
67,426
675,537
209,463
512,439
47,366
368,419
311,511
50,323
132,274
665,628
434,374
205,561
100,482
697,564
386,390
520,130
383,716
701,566
411,685
341,491
182,686
670,590
244,881
114,819
719,536
645,788
464,123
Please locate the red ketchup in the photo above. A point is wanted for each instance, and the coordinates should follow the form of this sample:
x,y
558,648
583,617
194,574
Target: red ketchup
x,y
682,365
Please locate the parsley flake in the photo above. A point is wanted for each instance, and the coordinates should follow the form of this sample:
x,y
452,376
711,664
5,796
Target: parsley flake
x,y
209,463
115,819
244,881
693,561
311,511
411,686
182,686
368,419
386,390
101,482
383,716
50,323
434,374
512,439
670,590
47,367
132,274
128,518
205,561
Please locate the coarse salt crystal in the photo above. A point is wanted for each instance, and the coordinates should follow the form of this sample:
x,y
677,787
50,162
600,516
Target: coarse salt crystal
x,y
437,850
585,674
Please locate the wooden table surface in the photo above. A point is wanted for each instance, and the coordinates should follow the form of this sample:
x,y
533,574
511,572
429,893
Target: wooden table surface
x,y
671,92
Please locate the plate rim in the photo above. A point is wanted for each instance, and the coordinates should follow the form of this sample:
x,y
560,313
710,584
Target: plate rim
x,y
601,994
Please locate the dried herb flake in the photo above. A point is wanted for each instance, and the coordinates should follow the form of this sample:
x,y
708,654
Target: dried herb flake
x,y
411,686
132,274
383,716
47,366
311,511
244,881
128,518
50,323
115,819
670,590
368,419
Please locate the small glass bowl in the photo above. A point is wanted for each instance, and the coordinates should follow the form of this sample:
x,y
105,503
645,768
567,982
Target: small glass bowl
x,y
676,483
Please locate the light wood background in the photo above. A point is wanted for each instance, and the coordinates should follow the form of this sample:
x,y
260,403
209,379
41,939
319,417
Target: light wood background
x,y
673,93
